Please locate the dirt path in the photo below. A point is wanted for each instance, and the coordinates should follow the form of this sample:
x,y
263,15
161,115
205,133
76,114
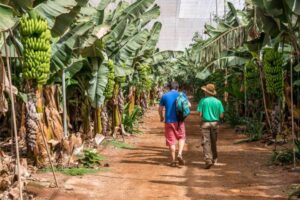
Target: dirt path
x,y
142,173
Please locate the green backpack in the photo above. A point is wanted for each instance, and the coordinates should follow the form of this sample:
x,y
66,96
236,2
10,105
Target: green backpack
x,y
182,107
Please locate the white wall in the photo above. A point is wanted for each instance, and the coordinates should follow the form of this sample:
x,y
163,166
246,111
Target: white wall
x,y
182,18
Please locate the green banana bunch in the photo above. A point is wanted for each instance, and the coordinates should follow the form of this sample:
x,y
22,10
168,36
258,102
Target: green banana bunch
x,y
144,78
33,26
251,71
35,37
108,93
273,63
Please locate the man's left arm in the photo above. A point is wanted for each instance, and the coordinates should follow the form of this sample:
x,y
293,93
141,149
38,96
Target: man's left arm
x,y
221,111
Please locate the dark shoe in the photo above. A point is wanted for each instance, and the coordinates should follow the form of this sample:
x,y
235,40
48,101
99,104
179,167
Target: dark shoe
x,y
208,165
180,160
173,164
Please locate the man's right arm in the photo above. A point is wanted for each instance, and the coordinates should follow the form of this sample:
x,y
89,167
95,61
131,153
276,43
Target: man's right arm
x,y
161,109
160,112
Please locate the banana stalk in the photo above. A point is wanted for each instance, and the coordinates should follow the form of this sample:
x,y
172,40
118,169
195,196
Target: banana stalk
x,y
104,119
97,121
39,97
131,97
116,110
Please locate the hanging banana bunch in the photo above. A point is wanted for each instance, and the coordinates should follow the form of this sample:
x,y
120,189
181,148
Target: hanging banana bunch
x,y
35,37
109,90
273,63
251,75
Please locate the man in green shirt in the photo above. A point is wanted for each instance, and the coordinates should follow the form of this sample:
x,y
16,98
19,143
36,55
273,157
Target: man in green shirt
x,y
211,111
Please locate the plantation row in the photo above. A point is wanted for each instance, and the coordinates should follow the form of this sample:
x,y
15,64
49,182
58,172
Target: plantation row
x,y
94,64
89,70
252,55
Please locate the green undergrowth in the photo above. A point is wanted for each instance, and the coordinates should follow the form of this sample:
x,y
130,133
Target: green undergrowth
x,y
118,144
285,156
295,193
91,158
76,171
254,130
131,121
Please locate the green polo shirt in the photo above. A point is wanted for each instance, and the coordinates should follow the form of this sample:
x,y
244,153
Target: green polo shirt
x,y
211,109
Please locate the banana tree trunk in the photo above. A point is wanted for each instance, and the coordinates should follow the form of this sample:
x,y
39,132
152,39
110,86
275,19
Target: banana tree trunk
x,y
52,116
39,99
116,123
97,121
131,96
35,145
85,114
104,119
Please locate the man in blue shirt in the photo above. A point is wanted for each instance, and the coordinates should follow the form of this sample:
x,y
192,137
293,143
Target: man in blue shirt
x,y
174,130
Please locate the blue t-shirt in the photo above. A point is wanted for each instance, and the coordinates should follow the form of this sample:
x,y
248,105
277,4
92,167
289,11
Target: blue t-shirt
x,y
168,100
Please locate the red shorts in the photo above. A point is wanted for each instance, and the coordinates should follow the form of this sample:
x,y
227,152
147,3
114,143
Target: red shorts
x,y
173,132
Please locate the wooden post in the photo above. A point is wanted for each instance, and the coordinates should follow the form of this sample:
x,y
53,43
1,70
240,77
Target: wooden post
x,y
13,119
292,113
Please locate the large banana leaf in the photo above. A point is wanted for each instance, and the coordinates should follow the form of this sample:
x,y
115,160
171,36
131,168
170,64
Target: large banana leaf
x,y
75,66
153,39
164,57
128,50
123,71
138,8
204,74
52,9
92,45
114,16
64,21
98,82
7,19
149,15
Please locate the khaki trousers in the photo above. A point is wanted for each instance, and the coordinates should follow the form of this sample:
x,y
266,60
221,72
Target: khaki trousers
x,y
209,132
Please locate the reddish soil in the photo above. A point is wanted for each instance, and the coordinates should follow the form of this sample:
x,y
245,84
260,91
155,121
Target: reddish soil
x,y
143,173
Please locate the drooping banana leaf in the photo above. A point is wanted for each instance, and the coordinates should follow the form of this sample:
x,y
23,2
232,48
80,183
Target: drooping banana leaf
x,y
128,50
7,19
64,21
153,39
204,74
62,50
91,45
123,71
52,9
138,8
98,82
114,16
75,66
149,15
164,57
229,61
